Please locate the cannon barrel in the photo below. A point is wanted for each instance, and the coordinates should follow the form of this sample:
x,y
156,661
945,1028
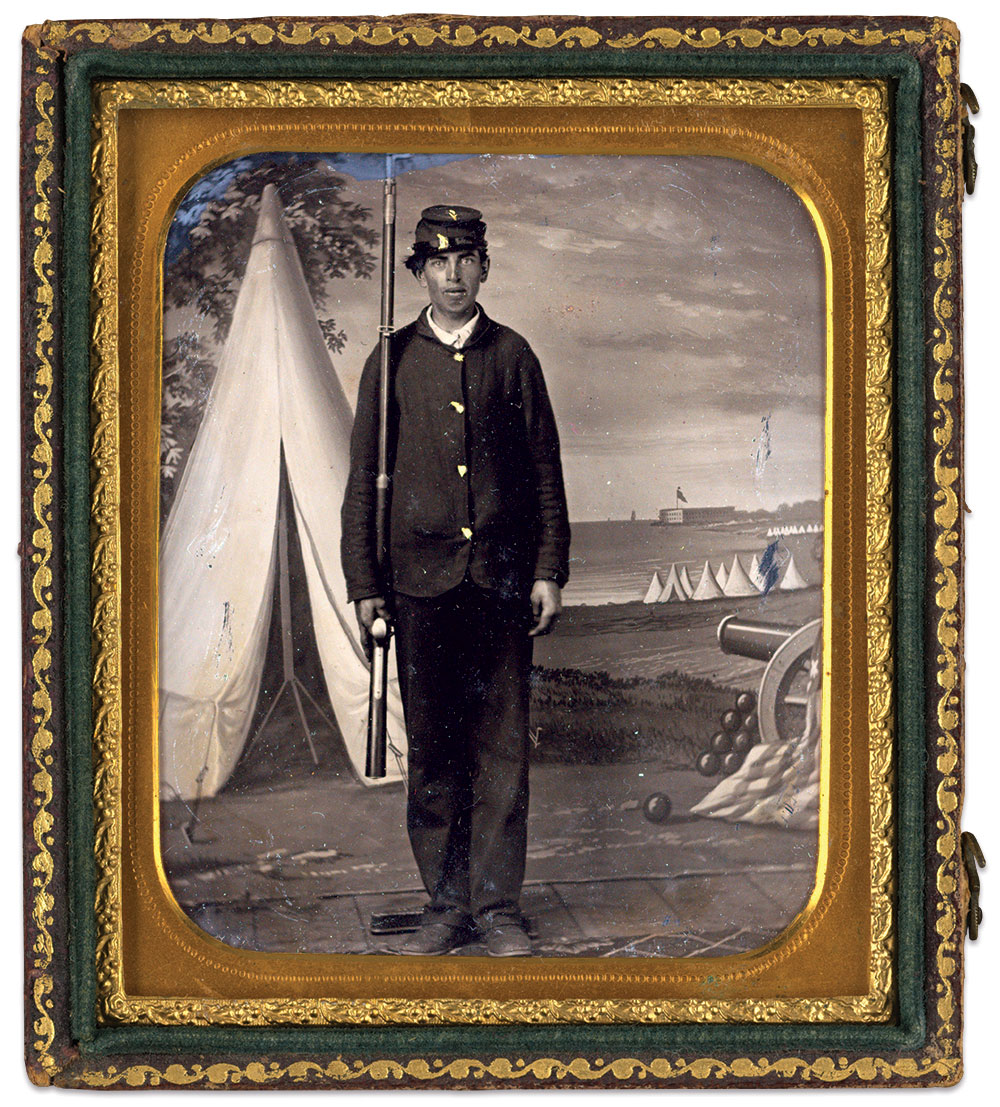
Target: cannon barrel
x,y
752,637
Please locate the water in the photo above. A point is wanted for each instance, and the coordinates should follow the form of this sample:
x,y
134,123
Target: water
x,y
613,562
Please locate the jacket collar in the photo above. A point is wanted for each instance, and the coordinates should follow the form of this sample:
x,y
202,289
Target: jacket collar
x,y
483,325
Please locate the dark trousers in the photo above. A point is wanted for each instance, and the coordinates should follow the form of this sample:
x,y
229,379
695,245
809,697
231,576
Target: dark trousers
x,y
464,660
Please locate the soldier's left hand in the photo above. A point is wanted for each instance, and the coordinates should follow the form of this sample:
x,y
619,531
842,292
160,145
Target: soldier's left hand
x,y
546,604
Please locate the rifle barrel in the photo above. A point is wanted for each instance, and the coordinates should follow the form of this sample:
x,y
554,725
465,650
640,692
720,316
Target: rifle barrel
x,y
385,333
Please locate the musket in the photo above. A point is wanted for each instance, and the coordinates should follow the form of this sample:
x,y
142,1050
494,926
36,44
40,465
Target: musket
x,y
381,629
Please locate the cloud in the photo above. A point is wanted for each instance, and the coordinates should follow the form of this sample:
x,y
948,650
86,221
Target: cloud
x,y
673,302
564,240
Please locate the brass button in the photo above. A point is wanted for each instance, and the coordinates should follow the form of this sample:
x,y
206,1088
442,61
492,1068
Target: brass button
x,y
462,470
457,406
467,533
459,356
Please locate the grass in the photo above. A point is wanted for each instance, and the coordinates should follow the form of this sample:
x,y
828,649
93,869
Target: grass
x,y
593,718
577,717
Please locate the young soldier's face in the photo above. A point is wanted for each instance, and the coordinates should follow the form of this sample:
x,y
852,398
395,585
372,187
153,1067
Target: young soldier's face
x,y
452,281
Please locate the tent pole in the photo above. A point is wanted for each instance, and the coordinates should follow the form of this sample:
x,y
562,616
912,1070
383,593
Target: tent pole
x,y
312,699
285,602
284,592
294,683
290,679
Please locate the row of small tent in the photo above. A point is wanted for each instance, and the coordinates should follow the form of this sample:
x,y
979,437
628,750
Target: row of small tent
x,y
795,528
716,584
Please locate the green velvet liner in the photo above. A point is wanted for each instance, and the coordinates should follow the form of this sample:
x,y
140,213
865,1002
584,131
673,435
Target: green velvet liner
x,y
908,1032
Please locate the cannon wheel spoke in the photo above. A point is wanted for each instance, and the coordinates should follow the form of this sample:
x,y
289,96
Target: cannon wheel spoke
x,y
784,687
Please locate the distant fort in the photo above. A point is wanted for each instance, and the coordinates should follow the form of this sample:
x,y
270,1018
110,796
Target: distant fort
x,y
694,516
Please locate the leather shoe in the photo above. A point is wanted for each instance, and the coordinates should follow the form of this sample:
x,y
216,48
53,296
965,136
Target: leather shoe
x,y
507,939
433,939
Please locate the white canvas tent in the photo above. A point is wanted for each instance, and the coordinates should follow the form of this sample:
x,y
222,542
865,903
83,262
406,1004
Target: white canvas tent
x,y
686,586
792,581
654,589
708,587
756,576
275,388
673,591
738,584
720,575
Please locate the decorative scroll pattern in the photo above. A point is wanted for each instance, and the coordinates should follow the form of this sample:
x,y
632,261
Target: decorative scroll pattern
x,y
946,562
706,1071
465,36
42,1065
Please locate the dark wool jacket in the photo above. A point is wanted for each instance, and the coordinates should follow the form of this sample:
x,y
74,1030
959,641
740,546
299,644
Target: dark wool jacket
x,y
476,482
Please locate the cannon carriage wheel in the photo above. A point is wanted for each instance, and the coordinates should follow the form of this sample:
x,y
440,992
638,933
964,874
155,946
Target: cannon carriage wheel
x,y
789,679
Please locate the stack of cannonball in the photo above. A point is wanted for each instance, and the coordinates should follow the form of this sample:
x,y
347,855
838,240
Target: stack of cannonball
x,y
729,745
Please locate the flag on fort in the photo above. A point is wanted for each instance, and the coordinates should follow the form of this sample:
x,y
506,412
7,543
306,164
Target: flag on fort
x,y
681,496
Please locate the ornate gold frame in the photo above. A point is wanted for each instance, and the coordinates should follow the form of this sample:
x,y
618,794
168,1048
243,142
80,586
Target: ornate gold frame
x,y
943,1064
113,511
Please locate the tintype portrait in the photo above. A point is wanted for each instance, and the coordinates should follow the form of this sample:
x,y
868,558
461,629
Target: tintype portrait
x,y
493,552
602,568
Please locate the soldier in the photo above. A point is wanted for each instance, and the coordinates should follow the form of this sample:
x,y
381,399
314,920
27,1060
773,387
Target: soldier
x,y
478,554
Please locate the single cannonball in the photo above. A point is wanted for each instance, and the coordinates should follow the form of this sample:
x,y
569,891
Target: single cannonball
x,y
743,739
708,763
657,807
731,721
722,742
745,703
731,762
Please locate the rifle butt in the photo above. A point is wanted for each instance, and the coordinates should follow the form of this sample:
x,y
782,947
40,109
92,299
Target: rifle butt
x,y
378,685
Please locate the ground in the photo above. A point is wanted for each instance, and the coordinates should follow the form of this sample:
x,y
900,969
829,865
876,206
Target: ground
x,y
290,857
307,870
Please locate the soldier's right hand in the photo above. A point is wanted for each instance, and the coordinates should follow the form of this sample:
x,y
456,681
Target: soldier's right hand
x,y
367,611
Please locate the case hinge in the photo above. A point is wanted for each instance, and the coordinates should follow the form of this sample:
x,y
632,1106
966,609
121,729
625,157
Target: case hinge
x,y
972,857
970,167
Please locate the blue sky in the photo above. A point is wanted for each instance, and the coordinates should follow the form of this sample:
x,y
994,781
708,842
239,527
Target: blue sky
x,y
362,167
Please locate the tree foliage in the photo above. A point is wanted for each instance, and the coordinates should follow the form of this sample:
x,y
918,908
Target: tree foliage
x,y
187,378
334,238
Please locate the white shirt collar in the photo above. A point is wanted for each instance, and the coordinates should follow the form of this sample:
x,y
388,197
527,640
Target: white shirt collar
x,y
456,339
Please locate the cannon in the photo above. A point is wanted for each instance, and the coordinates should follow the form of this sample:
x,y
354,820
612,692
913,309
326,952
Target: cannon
x,y
794,660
